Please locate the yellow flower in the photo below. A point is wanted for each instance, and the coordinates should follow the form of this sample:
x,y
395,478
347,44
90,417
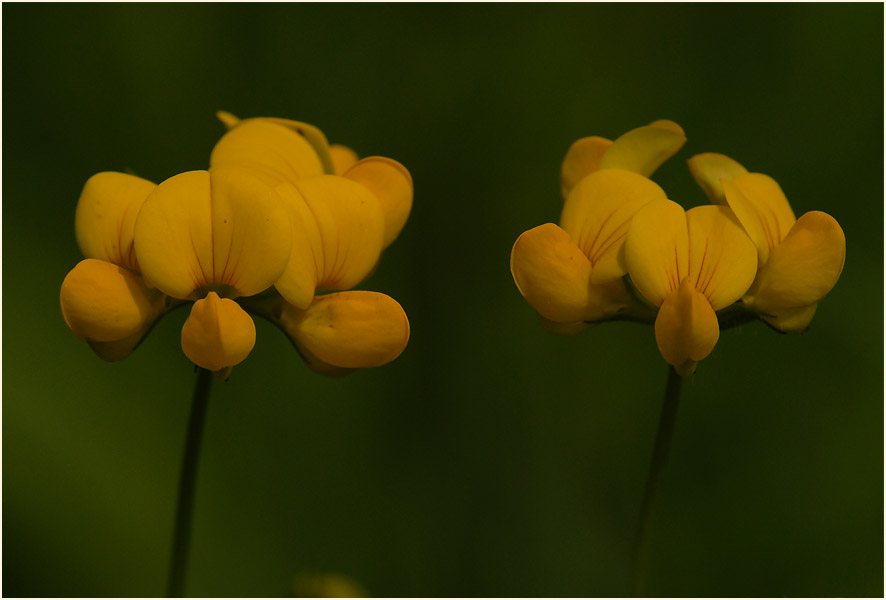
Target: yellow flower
x,y
799,260
213,236
571,274
341,224
690,264
104,299
641,150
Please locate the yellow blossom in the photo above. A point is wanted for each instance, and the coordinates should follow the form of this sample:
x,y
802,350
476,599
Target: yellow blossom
x,y
104,299
571,274
690,264
799,260
213,236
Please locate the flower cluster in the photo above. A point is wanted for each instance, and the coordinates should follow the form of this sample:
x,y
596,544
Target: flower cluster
x,y
279,216
624,251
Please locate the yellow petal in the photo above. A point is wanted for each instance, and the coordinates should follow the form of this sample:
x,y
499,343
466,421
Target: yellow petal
x,y
103,302
218,333
554,277
583,158
803,268
230,121
722,259
762,209
597,215
686,328
343,158
222,229
105,216
268,147
119,349
792,319
657,249
709,168
338,233
351,330
644,149
391,184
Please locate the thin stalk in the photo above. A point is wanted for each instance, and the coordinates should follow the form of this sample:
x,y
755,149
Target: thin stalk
x,y
643,541
186,484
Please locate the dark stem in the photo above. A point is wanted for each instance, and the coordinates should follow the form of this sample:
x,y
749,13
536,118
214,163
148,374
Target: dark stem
x,y
187,480
643,541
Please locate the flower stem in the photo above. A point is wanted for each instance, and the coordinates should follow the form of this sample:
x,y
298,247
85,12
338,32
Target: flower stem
x,y
643,541
186,484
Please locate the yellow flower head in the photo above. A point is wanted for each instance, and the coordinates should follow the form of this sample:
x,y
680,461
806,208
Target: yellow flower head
x,y
268,215
690,264
571,274
799,260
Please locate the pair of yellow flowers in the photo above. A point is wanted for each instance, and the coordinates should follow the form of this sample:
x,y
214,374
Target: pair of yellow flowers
x,y
623,250
279,216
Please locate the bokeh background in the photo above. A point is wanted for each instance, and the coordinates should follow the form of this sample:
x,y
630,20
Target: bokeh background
x,y
491,458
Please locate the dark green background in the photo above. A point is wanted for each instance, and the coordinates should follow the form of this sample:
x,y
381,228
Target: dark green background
x,y
491,458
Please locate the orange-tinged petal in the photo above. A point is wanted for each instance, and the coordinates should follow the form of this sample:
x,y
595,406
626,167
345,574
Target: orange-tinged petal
x,y
597,215
103,302
554,277
644,149
803,268
118,349
218,333
657,249
268,147
105,216
351,330
722,259
582,158
230,121
686,328
222,229
339,233
343,158
709,168
792,319
762,209
391,184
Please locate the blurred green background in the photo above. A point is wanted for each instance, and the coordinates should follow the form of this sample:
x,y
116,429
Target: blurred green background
x,y
491,458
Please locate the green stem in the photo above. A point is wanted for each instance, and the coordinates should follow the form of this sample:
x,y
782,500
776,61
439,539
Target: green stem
x,y
186,484
643,541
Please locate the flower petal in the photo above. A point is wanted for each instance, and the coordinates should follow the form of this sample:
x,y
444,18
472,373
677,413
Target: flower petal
x,y
582,158
722,259
554,277
223,229
338,236
644,149
268,147
218,333
792,319
391,184
762,209
657,249
103,302
803,268
343,158
351,330
105,216
709,168
686,328
597,215
564,329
